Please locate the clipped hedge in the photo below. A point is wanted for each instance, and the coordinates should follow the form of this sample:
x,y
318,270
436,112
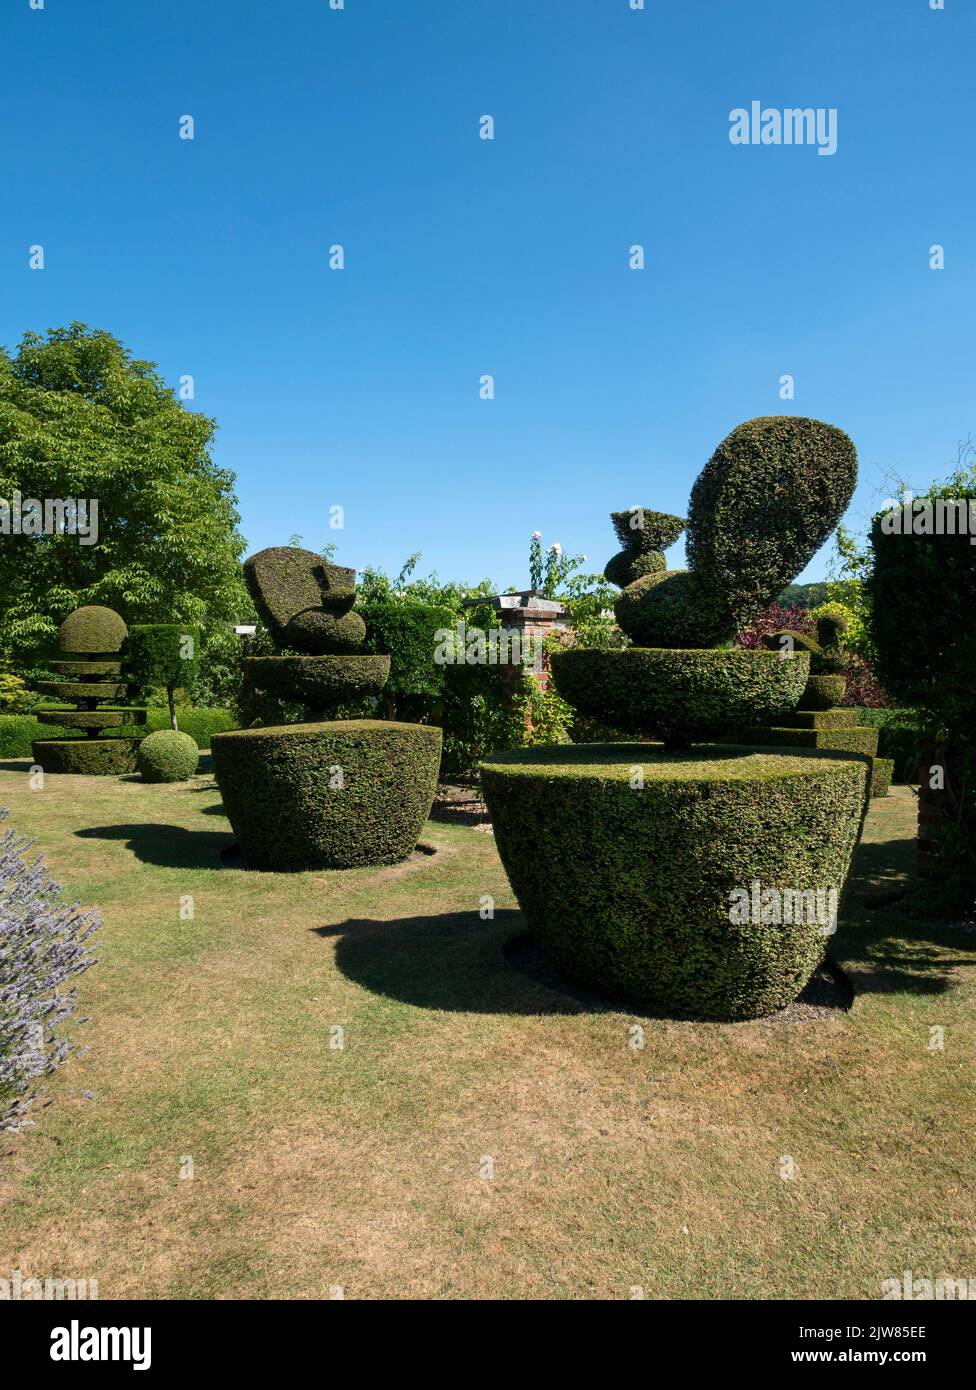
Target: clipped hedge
x,y
334,795
653,924
406,632
87,757
882,770
18,731
92,629
167,756
898,739
676,694
319,680
762,507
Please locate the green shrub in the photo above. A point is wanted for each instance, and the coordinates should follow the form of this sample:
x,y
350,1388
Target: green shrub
x,y
823,692
882,770
303,600
165,655
407,632
641,529
763,506
671,609
679,695
168,756
18,732
329,795
898,738
319,681
91,629
88,757
635,897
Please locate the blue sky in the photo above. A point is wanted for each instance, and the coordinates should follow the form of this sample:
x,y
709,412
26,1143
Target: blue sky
x,y
464,257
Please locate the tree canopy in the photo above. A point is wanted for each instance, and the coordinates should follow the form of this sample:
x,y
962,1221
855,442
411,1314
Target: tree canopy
x,y
81,418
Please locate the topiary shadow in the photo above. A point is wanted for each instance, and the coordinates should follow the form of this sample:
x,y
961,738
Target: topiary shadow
x,y
167,846
454,962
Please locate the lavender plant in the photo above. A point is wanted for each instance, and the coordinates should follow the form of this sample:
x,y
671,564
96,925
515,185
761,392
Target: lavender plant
x,y
43,944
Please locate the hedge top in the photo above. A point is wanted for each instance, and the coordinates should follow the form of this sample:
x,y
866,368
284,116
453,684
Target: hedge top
x,y
286,582
92,629
615,762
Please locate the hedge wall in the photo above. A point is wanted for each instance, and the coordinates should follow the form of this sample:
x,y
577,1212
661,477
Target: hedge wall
x,y
405,631
18,731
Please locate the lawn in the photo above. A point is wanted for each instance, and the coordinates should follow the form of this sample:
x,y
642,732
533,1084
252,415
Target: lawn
x,y
479,1133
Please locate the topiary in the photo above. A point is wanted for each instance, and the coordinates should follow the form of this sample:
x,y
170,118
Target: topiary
x,y
95,634
164,655
646,853
340,794
761,508
168,756
326,793
644,535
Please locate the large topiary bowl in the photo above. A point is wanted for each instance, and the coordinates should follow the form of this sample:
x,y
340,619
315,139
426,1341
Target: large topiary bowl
x,y
680,695
333,795
624,859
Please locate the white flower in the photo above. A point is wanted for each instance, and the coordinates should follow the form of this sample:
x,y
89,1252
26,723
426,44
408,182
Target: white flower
x,y
582,559
555,548
537,535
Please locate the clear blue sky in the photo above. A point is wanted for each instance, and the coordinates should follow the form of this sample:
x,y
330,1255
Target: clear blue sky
x,y
510,257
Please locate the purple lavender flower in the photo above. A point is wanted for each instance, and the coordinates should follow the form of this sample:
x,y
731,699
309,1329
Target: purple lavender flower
x,y
43,943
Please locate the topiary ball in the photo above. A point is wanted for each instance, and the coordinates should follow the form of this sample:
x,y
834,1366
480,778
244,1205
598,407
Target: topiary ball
x,y
92,628
669,609
168,756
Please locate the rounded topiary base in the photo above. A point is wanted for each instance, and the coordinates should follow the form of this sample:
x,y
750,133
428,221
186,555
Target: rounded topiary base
x,y
90,757
626,861
335,795
679,694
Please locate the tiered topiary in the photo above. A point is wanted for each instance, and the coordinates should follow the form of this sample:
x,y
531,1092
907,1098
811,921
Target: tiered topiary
x,y
90,643
643,848
328,793
817,722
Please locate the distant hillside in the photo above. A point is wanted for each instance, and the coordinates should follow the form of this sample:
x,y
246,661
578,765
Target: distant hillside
x,y
803,595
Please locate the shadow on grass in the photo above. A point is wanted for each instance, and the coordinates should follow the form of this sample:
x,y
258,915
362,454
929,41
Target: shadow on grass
x,y
455,962
168,846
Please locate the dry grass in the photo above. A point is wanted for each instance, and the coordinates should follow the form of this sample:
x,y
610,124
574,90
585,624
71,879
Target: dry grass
x,y
366,1167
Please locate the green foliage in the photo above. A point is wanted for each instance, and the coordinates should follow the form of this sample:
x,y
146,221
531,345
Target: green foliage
x,y
679,695
923,595
823,692
760,509
848,587
671,609
165,655
80,417
14,695
328,795
18,731
93,629
88,757
882,771
635,897
550,571
168,756
407,631
304,601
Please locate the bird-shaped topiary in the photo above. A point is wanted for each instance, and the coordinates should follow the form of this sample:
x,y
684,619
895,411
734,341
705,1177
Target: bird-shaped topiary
x,y
326,793
646,847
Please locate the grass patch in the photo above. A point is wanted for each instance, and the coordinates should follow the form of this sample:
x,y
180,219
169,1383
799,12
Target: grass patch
x,y
366,1167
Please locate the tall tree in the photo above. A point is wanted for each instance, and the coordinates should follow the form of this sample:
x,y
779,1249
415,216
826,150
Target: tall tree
x,y
81,418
